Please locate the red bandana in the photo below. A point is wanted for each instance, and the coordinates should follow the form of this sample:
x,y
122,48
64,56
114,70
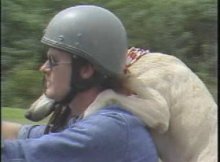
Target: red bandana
x,y
134,54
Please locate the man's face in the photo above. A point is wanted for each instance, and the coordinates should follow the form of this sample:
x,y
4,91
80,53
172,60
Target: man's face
x,y
57,70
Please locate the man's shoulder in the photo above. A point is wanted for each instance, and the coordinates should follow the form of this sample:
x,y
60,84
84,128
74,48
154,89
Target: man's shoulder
x,y
108,115
113,113
112,120
108,120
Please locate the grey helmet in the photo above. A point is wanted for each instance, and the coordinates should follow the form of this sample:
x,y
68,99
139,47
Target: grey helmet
x,y
91,32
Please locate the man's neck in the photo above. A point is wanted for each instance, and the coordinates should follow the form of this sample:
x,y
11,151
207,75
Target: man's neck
x,y
82,100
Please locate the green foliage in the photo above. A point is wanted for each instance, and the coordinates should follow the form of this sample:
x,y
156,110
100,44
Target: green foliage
x,y
17,115
21,88
186,29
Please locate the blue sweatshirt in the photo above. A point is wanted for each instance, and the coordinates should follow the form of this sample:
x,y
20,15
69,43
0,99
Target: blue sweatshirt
x,y
109,135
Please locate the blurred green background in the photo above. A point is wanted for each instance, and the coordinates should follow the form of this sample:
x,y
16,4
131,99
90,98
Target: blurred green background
x,y
186,29
17,115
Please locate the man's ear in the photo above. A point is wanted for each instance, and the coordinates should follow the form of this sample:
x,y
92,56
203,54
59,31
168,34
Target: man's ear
x,y
87,71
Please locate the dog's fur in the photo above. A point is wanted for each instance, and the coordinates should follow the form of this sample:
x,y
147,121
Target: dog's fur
x,y
192,131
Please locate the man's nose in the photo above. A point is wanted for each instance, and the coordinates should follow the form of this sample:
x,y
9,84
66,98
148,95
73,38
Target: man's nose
x,y
45,68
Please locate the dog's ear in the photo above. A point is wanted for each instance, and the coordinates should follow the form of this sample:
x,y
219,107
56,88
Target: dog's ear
x,y
40,109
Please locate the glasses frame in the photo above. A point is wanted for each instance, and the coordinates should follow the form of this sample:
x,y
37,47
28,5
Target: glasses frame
x,y
50,63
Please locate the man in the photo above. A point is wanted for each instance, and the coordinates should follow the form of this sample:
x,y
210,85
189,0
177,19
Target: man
x,y
84,76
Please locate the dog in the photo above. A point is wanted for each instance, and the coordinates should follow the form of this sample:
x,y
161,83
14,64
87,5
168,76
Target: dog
x,y
191,134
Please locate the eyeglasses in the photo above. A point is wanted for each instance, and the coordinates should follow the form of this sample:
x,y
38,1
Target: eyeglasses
x,y
50,63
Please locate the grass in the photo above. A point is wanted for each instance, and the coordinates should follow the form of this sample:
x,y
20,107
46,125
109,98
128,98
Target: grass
x,y
17,115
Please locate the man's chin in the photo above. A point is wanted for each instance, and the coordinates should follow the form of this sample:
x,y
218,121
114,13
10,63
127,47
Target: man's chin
x,y
56,95
52,95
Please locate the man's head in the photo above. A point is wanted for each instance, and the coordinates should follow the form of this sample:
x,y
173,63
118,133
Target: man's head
x,y
87,45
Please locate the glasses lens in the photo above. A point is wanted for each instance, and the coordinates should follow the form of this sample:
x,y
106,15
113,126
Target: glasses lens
x,y
51,62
